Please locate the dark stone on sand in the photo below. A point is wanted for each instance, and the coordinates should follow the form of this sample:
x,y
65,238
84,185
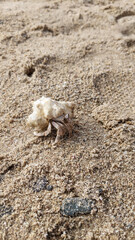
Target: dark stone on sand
x,y
5,210
40,184
49,187
72,207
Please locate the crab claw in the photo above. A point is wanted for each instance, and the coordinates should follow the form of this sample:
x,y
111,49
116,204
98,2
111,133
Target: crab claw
x,y
39,134
49,129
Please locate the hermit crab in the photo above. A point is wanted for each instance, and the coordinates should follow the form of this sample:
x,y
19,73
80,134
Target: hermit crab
x,y
51,115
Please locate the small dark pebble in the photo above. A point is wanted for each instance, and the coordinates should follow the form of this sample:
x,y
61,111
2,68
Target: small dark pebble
x,y
88,1
76,206
129,226
40,184
5,210
1,178
101,192
49,187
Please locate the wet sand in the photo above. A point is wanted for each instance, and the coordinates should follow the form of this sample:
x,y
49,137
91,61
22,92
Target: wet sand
x,y
80,51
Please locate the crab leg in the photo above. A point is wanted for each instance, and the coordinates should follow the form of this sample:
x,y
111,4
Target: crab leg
x,y
66,121
60,130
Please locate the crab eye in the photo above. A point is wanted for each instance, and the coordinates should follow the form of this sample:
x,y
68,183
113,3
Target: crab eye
x,y
66,118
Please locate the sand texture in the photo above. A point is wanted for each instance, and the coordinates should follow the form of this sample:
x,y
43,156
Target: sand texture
x,y
81,51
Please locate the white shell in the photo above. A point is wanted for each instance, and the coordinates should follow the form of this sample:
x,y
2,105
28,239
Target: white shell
x,y
45,109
